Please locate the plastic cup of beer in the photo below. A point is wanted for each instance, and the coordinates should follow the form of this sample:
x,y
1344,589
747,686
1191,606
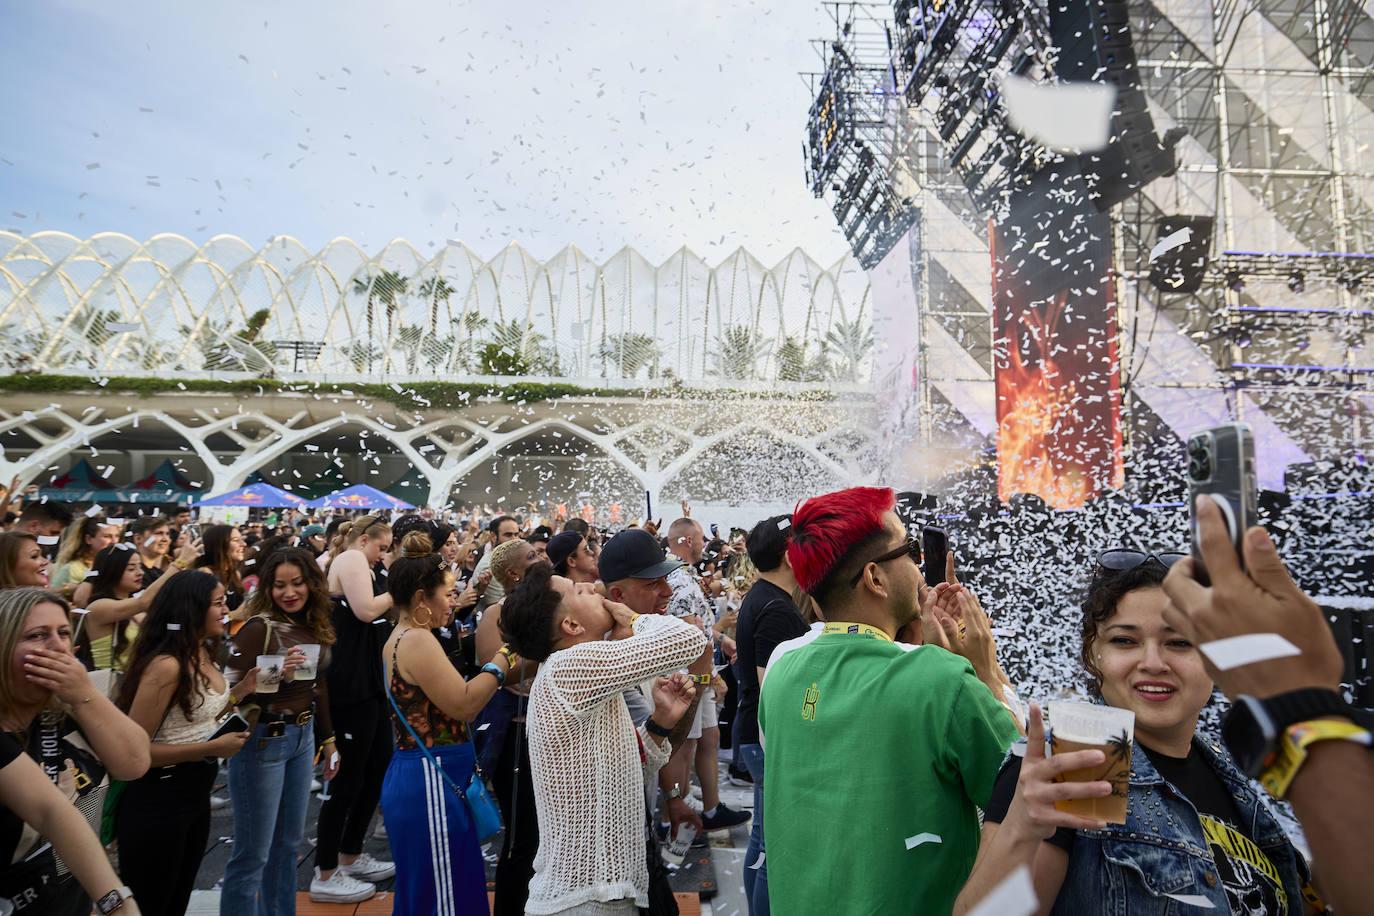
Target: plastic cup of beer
x,y
1089,727
308,669
269,672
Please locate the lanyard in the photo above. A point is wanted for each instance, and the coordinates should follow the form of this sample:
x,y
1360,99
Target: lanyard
x,y
855,629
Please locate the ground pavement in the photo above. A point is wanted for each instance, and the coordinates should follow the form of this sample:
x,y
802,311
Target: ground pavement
x,y
716,886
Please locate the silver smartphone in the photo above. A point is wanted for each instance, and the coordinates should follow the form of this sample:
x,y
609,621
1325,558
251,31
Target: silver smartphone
x,y
1221,461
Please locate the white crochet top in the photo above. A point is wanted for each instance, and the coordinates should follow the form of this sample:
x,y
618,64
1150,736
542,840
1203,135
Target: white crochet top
x,y
588,776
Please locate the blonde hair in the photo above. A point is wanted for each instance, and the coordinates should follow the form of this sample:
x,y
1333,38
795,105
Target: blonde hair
x,y
15,606
504,557
347,534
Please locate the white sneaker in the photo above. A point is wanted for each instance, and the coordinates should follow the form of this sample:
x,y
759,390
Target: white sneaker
x,y
340,888
366,868
316,785
217,802
379,831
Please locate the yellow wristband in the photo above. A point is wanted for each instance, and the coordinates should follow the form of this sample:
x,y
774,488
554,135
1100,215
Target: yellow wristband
x,y
633,618
1292,750
703,678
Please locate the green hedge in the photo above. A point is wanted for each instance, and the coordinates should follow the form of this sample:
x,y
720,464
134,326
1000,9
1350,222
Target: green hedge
x,y
442,395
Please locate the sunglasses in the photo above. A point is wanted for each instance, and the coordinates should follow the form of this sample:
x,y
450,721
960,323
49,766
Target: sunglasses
x,y
1120,559
910,546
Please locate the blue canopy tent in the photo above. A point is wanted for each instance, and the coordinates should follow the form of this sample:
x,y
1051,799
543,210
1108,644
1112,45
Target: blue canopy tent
x,y
255,496
359,496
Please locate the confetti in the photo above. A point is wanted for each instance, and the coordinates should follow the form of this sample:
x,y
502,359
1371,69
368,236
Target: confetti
x,y
921,839
1236,651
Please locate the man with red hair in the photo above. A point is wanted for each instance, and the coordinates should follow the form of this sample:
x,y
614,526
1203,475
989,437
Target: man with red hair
x,y
887,752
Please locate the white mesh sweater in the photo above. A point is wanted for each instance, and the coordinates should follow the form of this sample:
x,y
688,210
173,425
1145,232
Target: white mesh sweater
x,y
588,777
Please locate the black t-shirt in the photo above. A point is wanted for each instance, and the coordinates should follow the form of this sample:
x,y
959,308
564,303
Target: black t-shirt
x,y
767,617
151,575
1251,882
11,827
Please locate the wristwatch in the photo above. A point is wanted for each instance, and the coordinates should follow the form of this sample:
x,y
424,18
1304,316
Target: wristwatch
x,y
674,792
113,900
1252,727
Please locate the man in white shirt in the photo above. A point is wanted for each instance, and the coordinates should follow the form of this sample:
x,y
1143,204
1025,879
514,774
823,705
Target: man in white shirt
x,y
503,529
686,541
588,759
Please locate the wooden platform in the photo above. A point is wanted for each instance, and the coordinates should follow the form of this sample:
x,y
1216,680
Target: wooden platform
x,y
380,905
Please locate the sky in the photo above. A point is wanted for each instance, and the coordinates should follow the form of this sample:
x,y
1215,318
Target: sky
x,y
599,123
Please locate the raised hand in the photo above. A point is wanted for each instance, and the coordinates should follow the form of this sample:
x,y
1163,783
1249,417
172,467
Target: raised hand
x,y
1264,600
673,696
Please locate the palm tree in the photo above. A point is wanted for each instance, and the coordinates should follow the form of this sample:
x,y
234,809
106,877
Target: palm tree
x,y
410,336
436,289
629,352
791,360
387,286
852,341
737,351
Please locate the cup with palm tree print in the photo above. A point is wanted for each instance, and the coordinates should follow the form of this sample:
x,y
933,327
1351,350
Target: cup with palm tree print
x,y
1084,727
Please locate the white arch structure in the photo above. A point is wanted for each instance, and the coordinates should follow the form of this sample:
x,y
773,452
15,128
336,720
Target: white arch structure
x,y
652,440
113,305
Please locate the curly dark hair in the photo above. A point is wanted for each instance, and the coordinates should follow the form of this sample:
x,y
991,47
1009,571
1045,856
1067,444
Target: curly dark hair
x,y
318,607
1105,591
530,613
417,569
174,625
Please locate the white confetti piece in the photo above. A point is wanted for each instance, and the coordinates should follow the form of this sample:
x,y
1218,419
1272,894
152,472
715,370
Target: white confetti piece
x,y
784,524
1235,651
123,327
48,539
1193,900
1170,242
93,511
150,540
484,726
758,863
1062,116
1013,897
922,838
173,626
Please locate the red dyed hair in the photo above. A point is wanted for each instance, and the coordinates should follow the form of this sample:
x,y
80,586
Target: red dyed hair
x,y
825,528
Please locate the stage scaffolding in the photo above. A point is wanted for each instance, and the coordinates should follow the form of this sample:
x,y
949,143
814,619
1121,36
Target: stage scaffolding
x,y
1276,101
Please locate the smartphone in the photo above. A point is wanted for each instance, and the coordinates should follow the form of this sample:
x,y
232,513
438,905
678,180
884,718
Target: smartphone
x,y
1221,461
193,531
232,726
934,548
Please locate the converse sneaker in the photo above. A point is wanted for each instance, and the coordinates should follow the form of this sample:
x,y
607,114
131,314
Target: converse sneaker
x,y
724,817
339,888
366,868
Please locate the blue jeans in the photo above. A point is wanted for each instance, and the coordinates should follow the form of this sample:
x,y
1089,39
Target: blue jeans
x,y
755,879
269,785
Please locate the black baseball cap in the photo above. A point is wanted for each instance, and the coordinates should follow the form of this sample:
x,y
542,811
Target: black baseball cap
x,y
633,554
562,545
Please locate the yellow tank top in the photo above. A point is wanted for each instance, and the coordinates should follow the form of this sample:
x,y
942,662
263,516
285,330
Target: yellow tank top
x,y
100,648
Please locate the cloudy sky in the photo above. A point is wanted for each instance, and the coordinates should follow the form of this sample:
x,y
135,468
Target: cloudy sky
x,y
600,123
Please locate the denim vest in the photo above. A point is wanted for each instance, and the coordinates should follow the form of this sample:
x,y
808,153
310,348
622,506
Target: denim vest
x,y
1160,850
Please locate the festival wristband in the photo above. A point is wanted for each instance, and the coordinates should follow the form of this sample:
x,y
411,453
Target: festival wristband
x,y
654,728
703,678
855,629
496,672
1293,745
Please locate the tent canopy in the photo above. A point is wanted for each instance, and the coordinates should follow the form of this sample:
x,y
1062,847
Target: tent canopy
x,y
258,495
359,496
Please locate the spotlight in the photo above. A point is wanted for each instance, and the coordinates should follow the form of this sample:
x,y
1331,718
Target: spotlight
x,y
1234,282
1297,281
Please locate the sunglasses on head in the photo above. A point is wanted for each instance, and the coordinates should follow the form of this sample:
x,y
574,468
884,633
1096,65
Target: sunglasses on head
x,y
909,546
1120,559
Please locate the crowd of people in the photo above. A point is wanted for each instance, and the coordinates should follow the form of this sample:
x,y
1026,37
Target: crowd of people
x,y
418,663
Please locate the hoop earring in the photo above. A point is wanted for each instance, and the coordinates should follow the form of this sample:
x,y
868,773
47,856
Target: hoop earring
x,y
429,618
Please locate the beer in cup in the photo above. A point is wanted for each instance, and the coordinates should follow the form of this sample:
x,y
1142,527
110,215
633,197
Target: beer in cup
x,y
269,672
307,670
1089,727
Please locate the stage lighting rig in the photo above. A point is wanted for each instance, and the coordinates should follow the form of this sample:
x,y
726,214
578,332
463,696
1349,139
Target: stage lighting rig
x,y
855,155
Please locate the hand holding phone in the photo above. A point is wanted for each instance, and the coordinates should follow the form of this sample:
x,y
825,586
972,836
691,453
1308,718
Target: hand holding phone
x,y
1221,467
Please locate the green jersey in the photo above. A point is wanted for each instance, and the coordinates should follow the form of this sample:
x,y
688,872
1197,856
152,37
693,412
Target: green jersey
x,y
875,760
